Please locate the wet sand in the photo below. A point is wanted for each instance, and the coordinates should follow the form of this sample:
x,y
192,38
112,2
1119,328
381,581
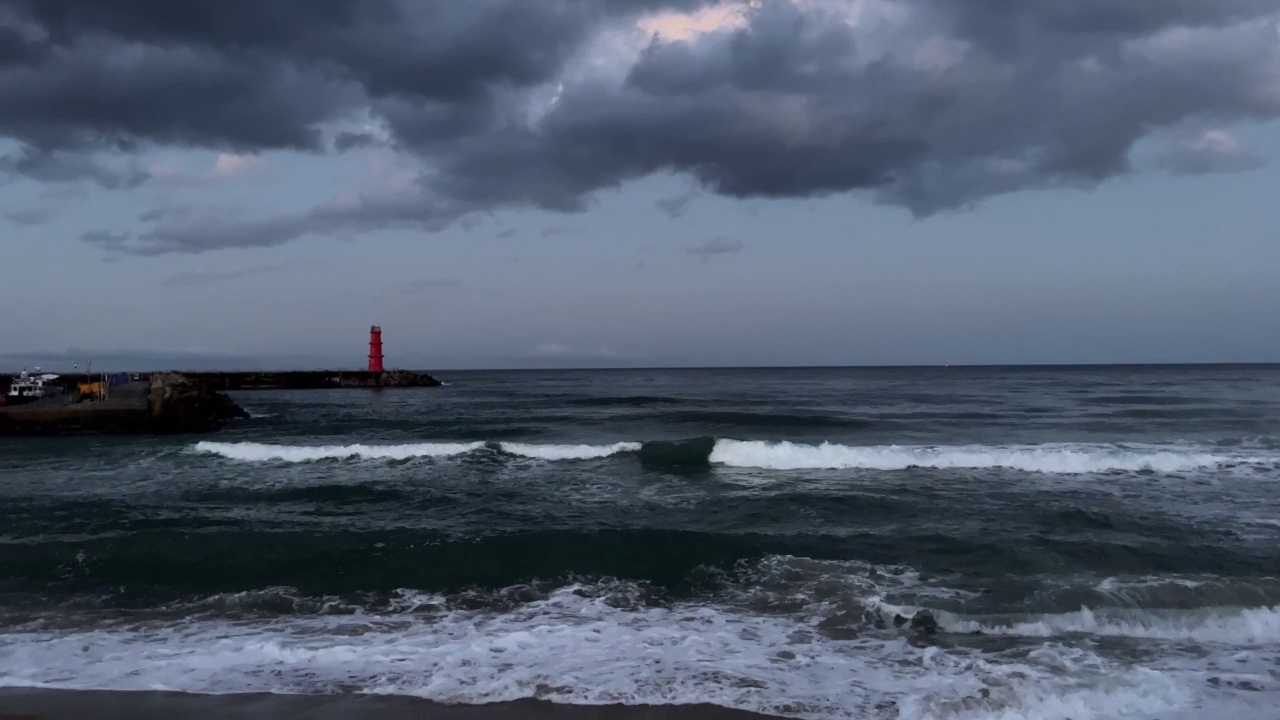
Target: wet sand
x,y
31,704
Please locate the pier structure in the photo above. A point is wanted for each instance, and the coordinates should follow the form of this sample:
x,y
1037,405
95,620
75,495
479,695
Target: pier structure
x,y
178,401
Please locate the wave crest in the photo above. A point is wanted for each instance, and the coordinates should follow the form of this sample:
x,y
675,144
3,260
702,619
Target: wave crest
x,y
1056,459
1059,459
568,452
1242,626
260,452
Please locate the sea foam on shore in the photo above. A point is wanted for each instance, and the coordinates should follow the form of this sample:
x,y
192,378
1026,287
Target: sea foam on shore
x,y
38,704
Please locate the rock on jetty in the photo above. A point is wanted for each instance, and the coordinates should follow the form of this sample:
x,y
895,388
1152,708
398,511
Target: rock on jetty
x,y
162,404
180,404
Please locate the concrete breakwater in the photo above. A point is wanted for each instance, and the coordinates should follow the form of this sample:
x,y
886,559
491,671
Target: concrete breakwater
x,y
265,380
310,379
162,403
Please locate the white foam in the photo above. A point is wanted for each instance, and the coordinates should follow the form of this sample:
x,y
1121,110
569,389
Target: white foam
x,y
1232,626
1050,459
569,452
576,649
1057,459
258,452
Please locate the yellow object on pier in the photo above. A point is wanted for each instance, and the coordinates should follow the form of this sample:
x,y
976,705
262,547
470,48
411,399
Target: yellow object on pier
x,y
96,390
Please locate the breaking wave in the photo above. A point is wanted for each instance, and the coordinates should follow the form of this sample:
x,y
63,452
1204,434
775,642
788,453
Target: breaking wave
x,y
1055,459
568,452
260,452
1061,459
574,647
1233,626
581,644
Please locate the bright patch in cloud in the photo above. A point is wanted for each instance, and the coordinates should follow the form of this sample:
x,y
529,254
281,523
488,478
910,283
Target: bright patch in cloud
x,y
1215,151
672,26
1218,141
230,165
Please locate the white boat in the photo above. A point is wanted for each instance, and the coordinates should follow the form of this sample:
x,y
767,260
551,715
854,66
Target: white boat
x,y
28,388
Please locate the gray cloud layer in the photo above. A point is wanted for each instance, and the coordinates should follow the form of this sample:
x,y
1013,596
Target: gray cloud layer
x,y
716,246
201,277
959,101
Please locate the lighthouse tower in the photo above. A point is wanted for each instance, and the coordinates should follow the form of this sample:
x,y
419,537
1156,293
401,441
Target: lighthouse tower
x,y
375,349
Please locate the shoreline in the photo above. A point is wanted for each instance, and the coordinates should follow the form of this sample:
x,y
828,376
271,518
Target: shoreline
x,y
47,704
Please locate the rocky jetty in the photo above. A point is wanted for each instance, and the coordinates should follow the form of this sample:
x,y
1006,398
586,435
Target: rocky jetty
x,y
405,378
180,404
312,379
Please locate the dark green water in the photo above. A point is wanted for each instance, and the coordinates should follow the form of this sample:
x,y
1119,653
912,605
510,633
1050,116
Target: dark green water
x,y
1091,542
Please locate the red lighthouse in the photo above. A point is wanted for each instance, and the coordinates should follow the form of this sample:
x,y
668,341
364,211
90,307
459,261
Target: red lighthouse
x,y
375,349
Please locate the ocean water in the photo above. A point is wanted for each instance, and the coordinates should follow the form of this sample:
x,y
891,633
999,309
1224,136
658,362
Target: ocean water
x,y
1091,543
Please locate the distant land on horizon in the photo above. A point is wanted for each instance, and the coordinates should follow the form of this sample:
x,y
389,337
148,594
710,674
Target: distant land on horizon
x,y
139,361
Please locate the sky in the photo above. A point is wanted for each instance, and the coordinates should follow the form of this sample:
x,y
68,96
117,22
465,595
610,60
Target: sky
x,y
638,183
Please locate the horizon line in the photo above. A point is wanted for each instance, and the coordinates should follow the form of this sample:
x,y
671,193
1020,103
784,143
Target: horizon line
x,y
630,368
901,366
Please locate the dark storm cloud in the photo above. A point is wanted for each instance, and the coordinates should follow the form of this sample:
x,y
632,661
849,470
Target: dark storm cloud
x,y
787,108
99,94
1012,25
54,166
344,141
947,104
251,75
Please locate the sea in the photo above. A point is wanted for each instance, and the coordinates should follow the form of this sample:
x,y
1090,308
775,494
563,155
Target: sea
x,y
1056,543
